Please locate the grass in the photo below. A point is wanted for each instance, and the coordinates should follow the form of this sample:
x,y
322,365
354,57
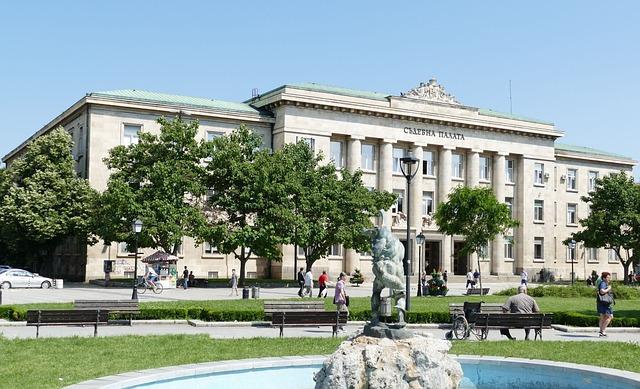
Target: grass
x,y
57,362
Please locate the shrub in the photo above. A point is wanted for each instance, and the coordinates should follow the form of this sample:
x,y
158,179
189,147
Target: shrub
x,y
621,292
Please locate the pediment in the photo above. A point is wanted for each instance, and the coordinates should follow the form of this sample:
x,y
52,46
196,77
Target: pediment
x,y
431,91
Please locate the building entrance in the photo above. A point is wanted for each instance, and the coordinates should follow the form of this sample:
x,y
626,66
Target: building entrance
x,y
432,256
460,261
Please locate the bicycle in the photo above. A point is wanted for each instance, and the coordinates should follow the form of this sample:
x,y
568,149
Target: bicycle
x,y
145,284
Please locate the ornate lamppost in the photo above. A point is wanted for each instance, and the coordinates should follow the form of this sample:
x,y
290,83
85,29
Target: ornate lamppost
x,y
407,167
136,226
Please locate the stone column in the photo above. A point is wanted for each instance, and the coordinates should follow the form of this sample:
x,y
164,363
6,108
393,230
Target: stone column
x,y
354,162
416,206
519,213
444,186
473,180
385,174
498,266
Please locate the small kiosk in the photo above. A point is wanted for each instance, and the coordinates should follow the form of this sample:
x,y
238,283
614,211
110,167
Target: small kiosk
x,y
166,265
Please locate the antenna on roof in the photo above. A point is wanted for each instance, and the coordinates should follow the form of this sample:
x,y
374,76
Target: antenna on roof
x,y
510,100
254,93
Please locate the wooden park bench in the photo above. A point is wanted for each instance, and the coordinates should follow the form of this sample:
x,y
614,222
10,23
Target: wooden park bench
x,y
67,317
476,291
271,307
456,309
534,321
130,307
310,319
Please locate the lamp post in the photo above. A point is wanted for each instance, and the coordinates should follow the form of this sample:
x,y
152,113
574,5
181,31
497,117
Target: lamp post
x,y
420,240
406,166
136,226
572,246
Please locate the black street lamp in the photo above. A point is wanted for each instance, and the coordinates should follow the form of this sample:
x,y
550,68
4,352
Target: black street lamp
x,y
572,246
136,226
420,241
406,166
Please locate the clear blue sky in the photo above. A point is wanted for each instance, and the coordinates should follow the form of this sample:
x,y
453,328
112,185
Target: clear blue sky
x,y
575,63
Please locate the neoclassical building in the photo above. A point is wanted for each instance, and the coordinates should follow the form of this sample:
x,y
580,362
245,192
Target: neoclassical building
x,y
519,158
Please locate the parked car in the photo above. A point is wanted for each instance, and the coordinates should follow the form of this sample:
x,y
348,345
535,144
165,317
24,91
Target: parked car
x,y
18,278
4,267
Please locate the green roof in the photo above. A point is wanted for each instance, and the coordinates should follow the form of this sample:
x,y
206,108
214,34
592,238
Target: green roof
x,y
588,150
488,112
185,101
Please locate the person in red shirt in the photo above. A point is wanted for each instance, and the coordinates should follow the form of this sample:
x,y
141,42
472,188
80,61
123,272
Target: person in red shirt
x,y
322,283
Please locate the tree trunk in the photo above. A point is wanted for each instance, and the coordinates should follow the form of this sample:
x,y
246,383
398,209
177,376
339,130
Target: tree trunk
x,y
243,265
625,266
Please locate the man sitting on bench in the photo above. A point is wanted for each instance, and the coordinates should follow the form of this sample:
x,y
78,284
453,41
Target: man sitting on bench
x,y
520,303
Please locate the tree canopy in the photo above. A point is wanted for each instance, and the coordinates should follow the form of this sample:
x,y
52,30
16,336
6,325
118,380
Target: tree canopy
x,y
43,201
157,180
614,221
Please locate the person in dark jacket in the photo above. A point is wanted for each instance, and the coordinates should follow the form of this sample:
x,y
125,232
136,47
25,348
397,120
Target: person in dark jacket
x,y
301,281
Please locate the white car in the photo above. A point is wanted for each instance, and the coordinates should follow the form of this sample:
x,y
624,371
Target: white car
x,y
18,278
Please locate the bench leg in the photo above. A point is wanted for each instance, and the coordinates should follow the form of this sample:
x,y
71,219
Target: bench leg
x,y
335,331
95,330
281,330
538,332
37,331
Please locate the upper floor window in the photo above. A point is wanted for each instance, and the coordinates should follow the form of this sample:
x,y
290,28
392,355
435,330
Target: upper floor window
x,y
335,250
509,202
131,134
485,168
508,247
593,176
457,165
428,163
211,135
592,254
510,167
397,154
336,154
572,177
538,210
538,173
572,213
427,203
398,206
311,142
368,160
538,248
210,248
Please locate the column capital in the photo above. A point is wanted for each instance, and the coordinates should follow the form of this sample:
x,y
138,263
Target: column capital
x,y
479,151
387,140
420,144
447,147
502,153
357,137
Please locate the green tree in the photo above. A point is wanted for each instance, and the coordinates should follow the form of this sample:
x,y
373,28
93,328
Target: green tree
x,y
246,197
158,180
476,214
327,207
44,201
614,221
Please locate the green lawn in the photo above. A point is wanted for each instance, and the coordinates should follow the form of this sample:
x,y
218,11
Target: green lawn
x,y
54,363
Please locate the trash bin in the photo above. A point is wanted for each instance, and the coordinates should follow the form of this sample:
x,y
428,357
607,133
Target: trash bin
x,y
255,292
245,293
385,307
58,283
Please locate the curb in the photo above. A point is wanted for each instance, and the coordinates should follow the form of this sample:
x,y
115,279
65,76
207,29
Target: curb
x,y
564,328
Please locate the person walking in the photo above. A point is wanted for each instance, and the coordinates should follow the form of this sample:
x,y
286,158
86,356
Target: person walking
x,y
469,279
185,278
233,282
604,308
445,277
340,296
192,279
476,277
322,284
520,303
524,277
301,281
308,283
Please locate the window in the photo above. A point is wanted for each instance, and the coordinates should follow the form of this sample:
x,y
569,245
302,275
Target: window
x,y
335,250
538,248
538,210
508,247
211,135
510,167
123,249
128,274
538,173
180,250
212,274
301,251
592,254
457,165
572,176
593,176
210,248
572,210
309,141
571,254
397,207
397,154
428,163
336,154
509,202
485,168
427,203
483,251
612,257
130,136
368,157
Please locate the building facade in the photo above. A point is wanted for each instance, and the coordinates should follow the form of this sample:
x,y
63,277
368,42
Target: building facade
x,y
520,159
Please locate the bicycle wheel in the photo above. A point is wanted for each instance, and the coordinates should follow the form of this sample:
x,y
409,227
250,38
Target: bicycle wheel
x,y
142,287
460,327
158,288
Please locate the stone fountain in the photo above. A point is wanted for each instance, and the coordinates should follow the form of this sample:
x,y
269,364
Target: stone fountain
x,y
388,355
